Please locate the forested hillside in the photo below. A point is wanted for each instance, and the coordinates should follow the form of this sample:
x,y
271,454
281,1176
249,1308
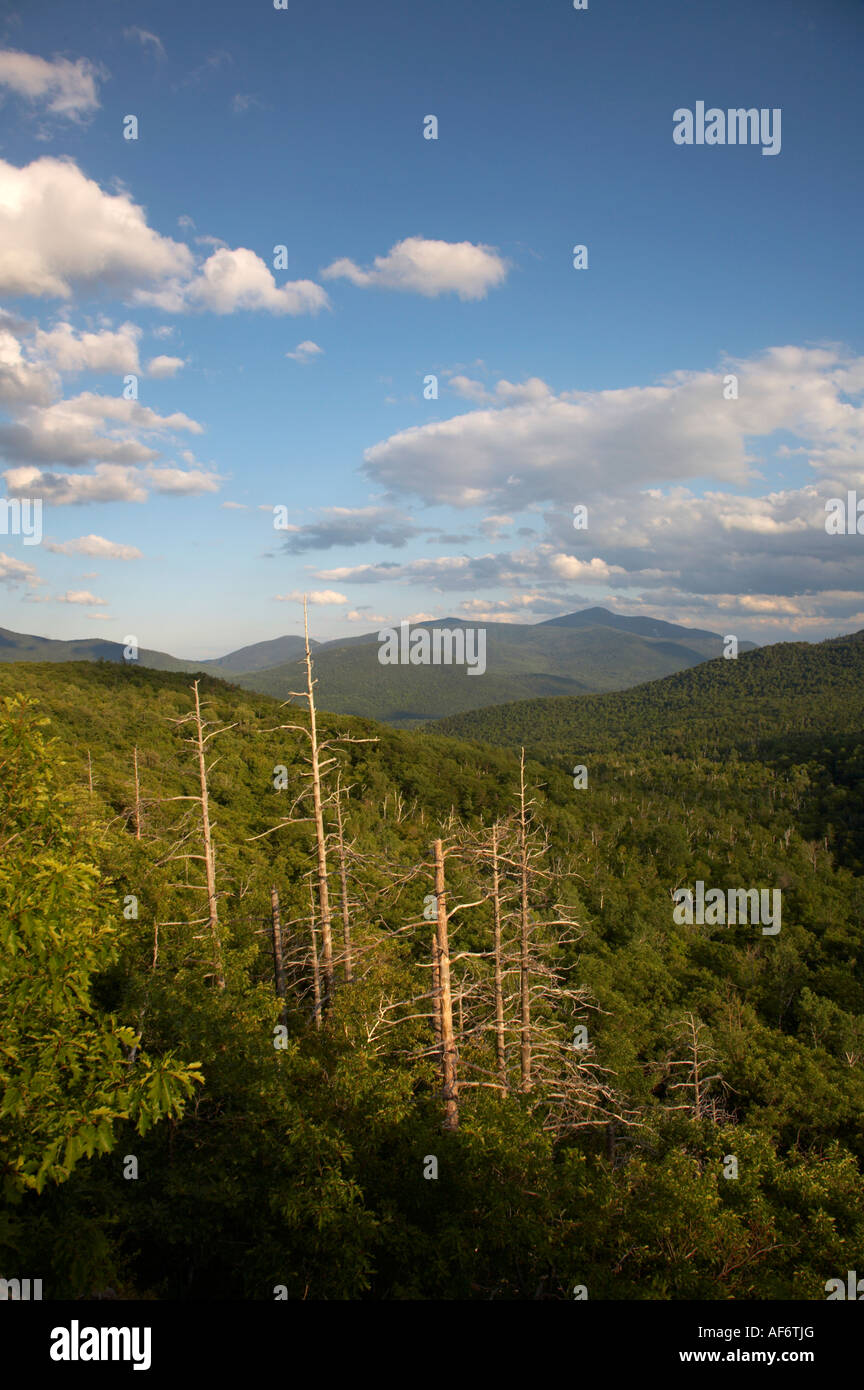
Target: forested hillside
x,y
793,687
454,1045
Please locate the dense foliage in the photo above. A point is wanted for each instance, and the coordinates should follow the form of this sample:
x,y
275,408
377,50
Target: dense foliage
x,y
300,1165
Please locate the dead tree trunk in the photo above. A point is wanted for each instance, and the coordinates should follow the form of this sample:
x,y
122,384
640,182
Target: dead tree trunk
x,y
436,998
209,858
278,953
500,1049
450,1086
524,957
343,883
316,973
320,839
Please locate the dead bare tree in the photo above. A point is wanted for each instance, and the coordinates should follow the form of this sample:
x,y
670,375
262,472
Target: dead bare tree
x,y
278,951
698,1081
343,882
199,741
500,1044
449,1064
318,765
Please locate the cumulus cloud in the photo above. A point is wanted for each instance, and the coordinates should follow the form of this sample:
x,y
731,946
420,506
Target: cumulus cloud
x,y
59,229
61,232
316,596
182,482
163,366
65,88
305,351
468,388
348,526
14,571
82,596
94,545
361,615
232,280
430,268
492,526
506,392
107,483
566,448
569,567
105,351
22,382
89,428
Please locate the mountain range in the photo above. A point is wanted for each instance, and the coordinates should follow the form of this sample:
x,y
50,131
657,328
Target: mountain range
x,y
588,652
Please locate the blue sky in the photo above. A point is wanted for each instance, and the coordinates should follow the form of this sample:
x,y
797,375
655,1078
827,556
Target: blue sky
x,y
603,386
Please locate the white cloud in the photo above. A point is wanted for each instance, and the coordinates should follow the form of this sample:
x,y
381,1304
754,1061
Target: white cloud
x,y
317,596
429,268
89,428
305,351
182,482
232,280
69,88
82,596
59,229
568,567
23,383
568,448
95,545
234,506
357,615
105,351
492,526
531,390
164,366
14,571
107,483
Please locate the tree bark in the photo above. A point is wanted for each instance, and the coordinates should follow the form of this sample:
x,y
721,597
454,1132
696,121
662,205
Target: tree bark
x,y
436,997
278,954
343,881
500,1048
209,857
316,974
320,841
524,961
450,1086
